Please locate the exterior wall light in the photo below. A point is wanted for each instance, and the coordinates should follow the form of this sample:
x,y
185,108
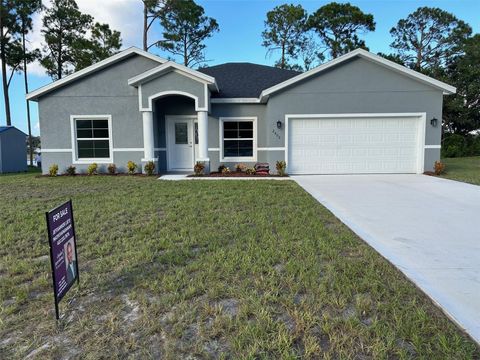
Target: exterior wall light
x,y
279,124
434,122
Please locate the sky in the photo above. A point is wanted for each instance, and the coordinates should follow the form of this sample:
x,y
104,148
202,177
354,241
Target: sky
x,y
241,23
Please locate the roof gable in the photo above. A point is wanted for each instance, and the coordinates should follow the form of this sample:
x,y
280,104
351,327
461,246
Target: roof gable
x,y
447,89
34,95
172,66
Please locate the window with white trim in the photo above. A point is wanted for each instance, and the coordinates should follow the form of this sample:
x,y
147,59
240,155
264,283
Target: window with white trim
x,y
92,138
238,139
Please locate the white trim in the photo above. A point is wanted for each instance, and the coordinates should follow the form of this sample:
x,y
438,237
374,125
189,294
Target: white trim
x,y
447,89
206,98
213,149
235,101
172,66
421,135
97,66
433,146
171,92
54,150
140,99
221,120
271,149
127,149
75,160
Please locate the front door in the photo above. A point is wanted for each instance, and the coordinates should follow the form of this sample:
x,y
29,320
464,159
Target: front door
x,y
180,143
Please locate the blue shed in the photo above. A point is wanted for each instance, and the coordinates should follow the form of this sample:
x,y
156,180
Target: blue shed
x,y
13,150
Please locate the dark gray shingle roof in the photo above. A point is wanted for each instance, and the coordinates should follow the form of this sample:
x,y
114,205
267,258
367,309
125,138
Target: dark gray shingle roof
x,y
5,128
245,80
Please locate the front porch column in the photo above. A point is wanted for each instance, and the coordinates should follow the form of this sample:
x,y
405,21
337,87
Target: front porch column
x,y
148,142
203,139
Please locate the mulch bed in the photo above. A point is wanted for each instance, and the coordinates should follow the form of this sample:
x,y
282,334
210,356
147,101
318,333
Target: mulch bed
x,y
100,174
233,174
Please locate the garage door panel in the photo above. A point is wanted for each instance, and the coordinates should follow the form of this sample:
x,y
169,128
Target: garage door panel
x,y
353,145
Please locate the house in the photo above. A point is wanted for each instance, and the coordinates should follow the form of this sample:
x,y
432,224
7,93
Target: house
x,y
13,150
358,113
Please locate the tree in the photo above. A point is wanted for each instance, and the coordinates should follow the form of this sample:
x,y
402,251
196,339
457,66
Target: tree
x,y
309,52
339,26
461,112
10,48
151,12
285,29
428,37
64,28
102,43
185,30
25,10
392,57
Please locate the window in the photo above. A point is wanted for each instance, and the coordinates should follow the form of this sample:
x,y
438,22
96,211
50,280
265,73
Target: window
x,y
196,133
238,139
92,138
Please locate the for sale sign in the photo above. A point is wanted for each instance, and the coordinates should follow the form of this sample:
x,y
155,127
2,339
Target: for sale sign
x,y
63,250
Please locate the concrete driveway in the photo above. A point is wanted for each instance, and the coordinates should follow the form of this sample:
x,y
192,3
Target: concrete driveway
x,y
428,227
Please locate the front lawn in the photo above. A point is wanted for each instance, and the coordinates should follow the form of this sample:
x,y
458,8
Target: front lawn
x,y
465,169
212,269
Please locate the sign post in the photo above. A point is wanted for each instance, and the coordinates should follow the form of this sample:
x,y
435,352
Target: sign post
x,y
63,250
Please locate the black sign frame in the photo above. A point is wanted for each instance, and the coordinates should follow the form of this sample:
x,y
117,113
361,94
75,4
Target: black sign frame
x,y
57,298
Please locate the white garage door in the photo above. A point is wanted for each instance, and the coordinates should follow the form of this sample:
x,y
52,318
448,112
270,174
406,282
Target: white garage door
x,y
355,144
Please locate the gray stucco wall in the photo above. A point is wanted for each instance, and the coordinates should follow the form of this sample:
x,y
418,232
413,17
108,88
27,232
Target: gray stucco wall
x,y
13,151
102,93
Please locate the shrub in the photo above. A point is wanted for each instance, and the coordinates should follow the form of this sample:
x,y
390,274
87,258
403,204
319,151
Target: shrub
x,y
454,145
71,170
199,168
92,169
53,170
250,171
131,167
221,167
281,167
225,170
112,169
439,167
473,145
240,167
149,168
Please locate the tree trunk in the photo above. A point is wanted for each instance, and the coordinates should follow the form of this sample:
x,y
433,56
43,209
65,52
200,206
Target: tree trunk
x,y
145,27
4,77
282,64
25,77
59,59
185,50
418,63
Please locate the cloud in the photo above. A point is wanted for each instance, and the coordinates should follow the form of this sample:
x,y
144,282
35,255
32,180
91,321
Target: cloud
x,y
123,15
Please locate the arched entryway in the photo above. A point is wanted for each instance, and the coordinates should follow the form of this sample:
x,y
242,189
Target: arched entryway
x,y
176,132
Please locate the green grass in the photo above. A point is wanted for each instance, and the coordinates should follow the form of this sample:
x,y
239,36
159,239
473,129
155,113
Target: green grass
x,y
465,169
211,269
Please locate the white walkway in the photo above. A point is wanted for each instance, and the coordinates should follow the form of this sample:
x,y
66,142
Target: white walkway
x,y
428,227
